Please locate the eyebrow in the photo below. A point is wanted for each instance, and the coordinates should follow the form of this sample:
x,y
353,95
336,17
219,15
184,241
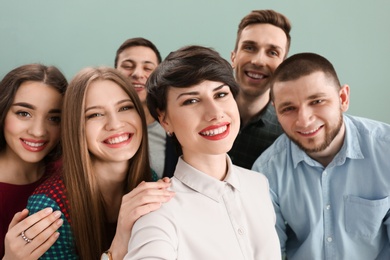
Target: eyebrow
x,y
272,46
311,97
117,103
192,93
29,106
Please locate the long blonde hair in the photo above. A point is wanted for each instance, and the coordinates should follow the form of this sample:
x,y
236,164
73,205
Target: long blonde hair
x,y
87,208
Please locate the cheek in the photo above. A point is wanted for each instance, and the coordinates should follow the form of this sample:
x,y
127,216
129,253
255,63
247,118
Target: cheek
x,y
12,125
90,134
55,132
285,121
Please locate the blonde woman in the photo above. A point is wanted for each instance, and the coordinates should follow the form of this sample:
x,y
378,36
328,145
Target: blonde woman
x,y
102,189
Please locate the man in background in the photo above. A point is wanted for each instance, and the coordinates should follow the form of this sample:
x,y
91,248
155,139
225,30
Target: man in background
x,y
137,58
263,42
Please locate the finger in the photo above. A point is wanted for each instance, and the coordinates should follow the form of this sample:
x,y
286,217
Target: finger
x,y
42,237
31,220
19,216
19,248
43,224
165,179
152,185
40,250
42,242
148,196
144,209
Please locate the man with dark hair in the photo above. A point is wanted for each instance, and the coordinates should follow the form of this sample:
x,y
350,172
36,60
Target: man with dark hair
x,y
137,58
329,174
263,41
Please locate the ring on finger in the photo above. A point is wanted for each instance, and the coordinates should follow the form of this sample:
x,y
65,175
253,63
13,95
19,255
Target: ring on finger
x,y
25,238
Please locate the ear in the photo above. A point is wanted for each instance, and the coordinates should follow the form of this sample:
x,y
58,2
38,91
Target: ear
x,y
344,97
164,120
233,58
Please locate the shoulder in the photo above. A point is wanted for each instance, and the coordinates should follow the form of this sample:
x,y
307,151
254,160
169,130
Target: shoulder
x,y
51,193
249,175
368,128
276,150
52,185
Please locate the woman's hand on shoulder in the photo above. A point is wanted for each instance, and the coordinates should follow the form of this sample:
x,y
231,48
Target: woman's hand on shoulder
x,y
29,237
145,198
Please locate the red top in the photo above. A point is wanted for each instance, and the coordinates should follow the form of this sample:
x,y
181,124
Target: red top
x,y
13,198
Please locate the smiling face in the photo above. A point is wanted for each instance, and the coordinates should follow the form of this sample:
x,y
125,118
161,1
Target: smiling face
x,y
260,50
204,118
32,124
310,112
137,63
113,126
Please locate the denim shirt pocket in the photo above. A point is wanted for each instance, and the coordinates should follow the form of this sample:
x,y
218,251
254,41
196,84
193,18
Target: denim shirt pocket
x,y
364,217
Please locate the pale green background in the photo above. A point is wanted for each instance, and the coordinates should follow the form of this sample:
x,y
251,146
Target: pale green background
x,y
354,35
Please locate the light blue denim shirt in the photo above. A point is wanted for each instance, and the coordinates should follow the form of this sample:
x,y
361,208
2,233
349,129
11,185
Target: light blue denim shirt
x,y
337,212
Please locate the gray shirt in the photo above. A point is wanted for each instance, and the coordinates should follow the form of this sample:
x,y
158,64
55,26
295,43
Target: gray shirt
x,y
156,136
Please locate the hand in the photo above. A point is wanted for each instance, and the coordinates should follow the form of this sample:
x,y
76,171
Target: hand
x,y
39,228
165,179
145,198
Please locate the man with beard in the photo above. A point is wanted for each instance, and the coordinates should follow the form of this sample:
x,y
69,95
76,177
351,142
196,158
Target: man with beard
x,y
329,173
263,41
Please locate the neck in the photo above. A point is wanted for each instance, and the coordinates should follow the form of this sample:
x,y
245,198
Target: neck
x,y
149,118
14,170
111,178
213,165
250,106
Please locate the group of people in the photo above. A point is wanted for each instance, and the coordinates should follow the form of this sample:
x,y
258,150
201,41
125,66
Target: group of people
x,y
192,157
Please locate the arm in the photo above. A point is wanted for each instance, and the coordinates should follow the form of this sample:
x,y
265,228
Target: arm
x,y
153,236
145,198
280,225
40,227
64,247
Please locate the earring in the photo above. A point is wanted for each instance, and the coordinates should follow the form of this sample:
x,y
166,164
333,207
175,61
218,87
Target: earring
x,y
169,134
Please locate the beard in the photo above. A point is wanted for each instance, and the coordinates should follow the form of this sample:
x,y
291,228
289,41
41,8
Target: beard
x,y
330,135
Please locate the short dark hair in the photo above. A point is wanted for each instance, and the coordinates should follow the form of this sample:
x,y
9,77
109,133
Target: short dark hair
x,y
188,66
303,64
133,42
265,16
11,82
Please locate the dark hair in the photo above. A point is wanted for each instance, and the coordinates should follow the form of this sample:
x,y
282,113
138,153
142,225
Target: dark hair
x,y
133,42
265,16
303,64
186,67
10,84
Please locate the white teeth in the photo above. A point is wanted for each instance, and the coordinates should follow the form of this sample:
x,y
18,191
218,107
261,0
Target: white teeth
x,y
33,144
310,132
255,75
138,86
118,139
216,131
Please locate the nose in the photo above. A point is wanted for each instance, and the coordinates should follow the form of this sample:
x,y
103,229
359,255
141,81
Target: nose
x,y
258,59
113,122
137,72
213,111
38,127
305,117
